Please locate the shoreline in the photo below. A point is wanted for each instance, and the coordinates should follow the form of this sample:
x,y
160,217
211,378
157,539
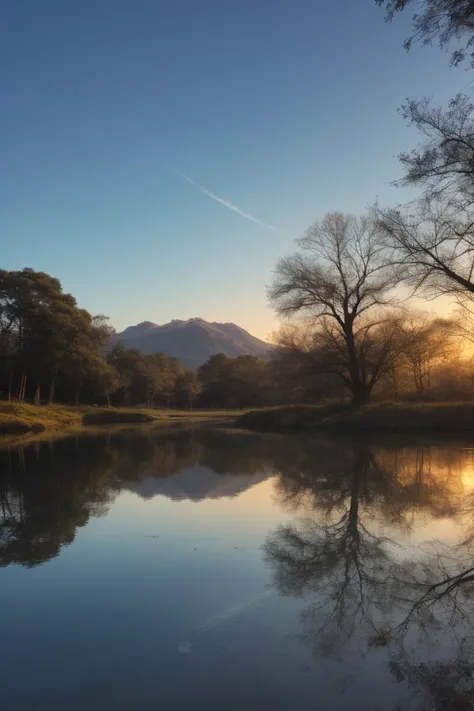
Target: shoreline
x,y
17,420
403,418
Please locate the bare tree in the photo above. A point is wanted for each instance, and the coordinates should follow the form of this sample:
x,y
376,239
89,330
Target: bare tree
x,y
427,344
444,162
439,21
434,237
435,245
341,282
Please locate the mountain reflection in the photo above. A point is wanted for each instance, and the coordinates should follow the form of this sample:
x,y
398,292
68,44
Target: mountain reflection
x,y
194,465
379,547
49,489
366,586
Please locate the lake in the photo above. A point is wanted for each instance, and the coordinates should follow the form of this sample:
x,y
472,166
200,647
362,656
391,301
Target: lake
x,y
211,568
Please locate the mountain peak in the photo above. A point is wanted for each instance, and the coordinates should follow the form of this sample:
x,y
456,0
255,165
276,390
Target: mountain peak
x,y
146,324
138,330
191,345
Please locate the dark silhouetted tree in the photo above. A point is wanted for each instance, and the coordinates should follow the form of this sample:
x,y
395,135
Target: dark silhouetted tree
x,y
439,21
341,282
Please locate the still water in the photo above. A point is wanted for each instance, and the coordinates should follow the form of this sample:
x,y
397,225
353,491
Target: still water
x,y
216,569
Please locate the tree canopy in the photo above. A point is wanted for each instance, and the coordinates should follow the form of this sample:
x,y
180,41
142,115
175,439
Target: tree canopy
x,y
438,21
340,281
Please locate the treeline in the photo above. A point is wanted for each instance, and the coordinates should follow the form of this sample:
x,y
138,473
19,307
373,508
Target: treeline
x,y
426,361
50,348
160,381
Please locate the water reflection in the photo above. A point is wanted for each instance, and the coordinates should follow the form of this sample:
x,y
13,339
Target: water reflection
x,y
46,492
362,587
376,544
50,489
335,557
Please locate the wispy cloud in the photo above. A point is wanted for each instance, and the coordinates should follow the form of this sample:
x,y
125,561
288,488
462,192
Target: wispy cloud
x,y
226,203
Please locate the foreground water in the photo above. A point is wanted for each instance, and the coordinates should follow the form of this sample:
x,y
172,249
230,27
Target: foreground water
x,y
212,569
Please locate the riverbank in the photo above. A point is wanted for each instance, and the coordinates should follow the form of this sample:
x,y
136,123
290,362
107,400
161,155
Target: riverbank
x,y
378,417
22,419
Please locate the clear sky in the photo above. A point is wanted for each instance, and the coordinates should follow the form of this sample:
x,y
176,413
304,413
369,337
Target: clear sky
x,y
114,112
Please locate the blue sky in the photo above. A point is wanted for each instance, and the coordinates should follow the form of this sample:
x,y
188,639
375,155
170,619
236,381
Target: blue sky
x,y
286,109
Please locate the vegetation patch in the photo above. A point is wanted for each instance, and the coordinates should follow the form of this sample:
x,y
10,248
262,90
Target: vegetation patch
x,y
383,417
21,418
16,418
112,416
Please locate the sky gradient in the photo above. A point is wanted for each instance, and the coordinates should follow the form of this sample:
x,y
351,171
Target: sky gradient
x,y
159,156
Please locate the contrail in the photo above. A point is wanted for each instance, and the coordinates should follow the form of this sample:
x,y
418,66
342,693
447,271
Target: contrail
x,y
229,613
226,203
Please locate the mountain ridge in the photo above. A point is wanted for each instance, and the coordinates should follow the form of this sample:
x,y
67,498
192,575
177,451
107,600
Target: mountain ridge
x,y
192,341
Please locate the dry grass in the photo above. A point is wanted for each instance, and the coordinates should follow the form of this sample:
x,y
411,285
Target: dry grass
x,y
378,417
20,419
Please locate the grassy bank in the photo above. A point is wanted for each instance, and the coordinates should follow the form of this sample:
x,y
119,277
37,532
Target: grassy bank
x,y
379,417
21,419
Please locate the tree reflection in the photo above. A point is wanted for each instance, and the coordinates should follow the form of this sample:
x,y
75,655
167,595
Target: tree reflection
x,y
360,586
432,646
45,494
336,559
49,489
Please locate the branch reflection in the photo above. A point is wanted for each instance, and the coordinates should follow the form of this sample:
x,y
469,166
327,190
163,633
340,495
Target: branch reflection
x,y
364,582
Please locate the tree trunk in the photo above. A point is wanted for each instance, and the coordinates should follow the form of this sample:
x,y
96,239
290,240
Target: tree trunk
x,y
360,391
21,394
52,387
78,393
37,398
10,382
360,395
107,395
361,466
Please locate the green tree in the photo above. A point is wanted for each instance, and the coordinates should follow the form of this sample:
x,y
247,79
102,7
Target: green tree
x,y
192,386
45,339
212,375
234,382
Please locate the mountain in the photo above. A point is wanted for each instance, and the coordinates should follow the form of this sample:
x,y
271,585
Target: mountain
x,y
196,484
192,342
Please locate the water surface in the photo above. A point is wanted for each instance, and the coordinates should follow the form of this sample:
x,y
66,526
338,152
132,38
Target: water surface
x,y
208,568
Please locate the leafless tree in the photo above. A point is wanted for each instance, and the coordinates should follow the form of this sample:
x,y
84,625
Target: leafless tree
x,y
439,21
341,283
444,162
427,344
435,245
434,237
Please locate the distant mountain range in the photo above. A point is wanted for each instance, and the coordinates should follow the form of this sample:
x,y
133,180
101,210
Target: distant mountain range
x,y
192,342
